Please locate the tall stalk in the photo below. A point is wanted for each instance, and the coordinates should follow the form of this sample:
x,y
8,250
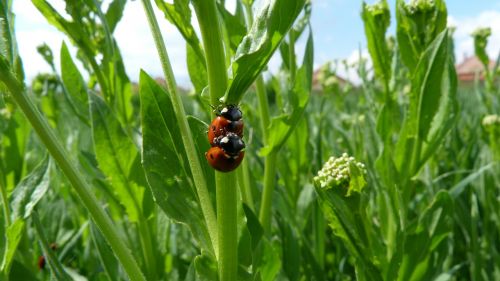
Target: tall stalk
x,y
226,184
270,161
67,165
5,202
187,137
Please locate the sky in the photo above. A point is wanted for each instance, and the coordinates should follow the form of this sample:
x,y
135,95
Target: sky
x,y
337,28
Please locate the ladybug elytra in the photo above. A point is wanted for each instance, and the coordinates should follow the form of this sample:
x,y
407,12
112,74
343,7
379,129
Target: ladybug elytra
x,y
222,161
220,126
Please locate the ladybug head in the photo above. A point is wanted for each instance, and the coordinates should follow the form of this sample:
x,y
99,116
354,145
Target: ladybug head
x,y
231,143
231,112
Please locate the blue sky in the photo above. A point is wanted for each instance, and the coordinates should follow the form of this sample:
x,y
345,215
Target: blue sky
x,y
338,34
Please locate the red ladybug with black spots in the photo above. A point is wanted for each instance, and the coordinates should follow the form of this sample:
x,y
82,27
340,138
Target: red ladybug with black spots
x,y
227,153
228,120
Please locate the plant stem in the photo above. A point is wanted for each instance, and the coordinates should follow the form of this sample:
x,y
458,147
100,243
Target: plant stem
x,y
291,55
267,193
227,222
67,165
226,184
98,73
244,183
147,247
5,202
187,138
265,118
270,162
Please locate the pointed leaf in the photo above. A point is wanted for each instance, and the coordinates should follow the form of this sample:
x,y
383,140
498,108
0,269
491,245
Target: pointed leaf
x,y
30,190
115,153
270,26
163,161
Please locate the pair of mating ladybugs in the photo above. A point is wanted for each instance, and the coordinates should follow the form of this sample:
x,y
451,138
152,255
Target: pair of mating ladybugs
x,y
225,136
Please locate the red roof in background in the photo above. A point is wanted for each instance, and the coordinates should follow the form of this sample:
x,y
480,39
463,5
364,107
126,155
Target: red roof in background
x,y
471,67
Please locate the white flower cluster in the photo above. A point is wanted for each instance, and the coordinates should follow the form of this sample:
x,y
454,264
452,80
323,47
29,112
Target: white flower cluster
x,y
491,120
336,171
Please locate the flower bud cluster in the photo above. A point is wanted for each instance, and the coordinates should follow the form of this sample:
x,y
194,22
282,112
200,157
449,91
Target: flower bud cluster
x,y
491,120
336,172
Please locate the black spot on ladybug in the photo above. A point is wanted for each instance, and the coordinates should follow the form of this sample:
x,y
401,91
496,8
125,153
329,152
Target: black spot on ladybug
x,y
211,156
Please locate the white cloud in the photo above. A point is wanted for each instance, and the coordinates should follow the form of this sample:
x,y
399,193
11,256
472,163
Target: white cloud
x,y
138,48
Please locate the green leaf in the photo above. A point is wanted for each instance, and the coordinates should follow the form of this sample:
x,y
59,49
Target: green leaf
x,y
291,250
30,190
345,219
418,23
179,14
254,227
199,132
270,26
73,82
434,225
282,127
458,188
8,44
206,268
267,261
432,82
235,28
106,256
115,154
73,29
13,235
45,51
115,13
433,107
377,19
163,161
196,69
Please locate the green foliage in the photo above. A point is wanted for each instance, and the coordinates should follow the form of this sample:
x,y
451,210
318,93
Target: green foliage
x,y
480,36
419,22
255,50
130,194
377,19
163,161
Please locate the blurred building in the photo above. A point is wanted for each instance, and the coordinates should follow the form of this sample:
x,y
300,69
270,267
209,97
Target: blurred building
x,y
470,69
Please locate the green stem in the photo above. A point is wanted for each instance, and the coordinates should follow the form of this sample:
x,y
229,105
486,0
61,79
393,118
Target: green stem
x,y
226,184
98,73
69,168
270,162
291,55
265,118
227,222
147,248
267,193
187,138
244,183
5,202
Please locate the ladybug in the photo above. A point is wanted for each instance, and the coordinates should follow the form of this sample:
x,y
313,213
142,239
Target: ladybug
x,y
41,259
231,112
231,143
221,125
222,161
228,120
